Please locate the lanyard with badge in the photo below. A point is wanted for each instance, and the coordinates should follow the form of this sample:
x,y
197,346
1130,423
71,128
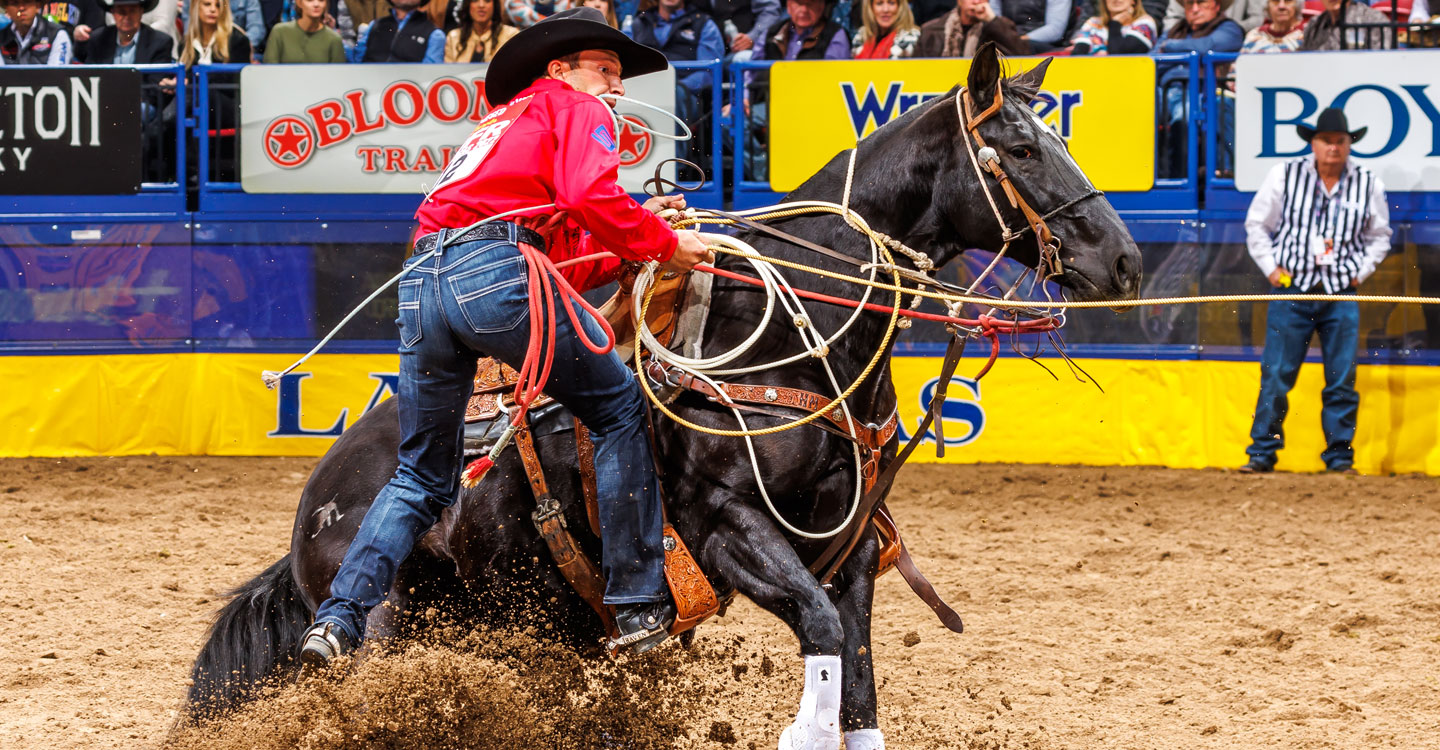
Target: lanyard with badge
x,y
1322,248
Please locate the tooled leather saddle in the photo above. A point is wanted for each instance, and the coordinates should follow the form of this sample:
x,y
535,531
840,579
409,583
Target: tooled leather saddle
x,y
678,307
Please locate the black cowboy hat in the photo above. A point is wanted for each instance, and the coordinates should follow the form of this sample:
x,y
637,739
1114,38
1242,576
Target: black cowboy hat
x,y
145,5
523,59
1331,120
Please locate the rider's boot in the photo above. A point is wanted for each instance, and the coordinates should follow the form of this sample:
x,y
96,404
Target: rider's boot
x,y
643,626
817,725
322,644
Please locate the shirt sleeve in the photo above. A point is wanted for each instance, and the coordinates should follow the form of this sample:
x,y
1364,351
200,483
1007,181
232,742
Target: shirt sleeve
x,y
358,54
435,48
1262,219
712,47
587,168
1057,15
60,50
839,48
1377,231
767,14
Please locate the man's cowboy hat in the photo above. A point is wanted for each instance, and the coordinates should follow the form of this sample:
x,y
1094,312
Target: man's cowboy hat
x,y
523,59
1331,121
145,5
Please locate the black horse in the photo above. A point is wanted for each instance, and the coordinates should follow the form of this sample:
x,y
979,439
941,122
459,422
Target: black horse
x,y
912,180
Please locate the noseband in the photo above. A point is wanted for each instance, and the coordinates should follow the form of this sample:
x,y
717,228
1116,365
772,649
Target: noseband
x,y
987,157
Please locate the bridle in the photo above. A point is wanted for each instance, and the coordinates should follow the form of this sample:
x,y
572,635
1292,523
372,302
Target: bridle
x,y
986,157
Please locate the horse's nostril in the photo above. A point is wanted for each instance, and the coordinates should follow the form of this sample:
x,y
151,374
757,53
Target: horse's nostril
x,y
1125,271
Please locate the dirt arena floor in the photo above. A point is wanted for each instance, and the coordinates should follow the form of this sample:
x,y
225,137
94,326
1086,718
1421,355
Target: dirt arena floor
x,y
1105,608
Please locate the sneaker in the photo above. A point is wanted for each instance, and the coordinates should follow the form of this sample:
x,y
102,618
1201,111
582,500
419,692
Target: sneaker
x,y
322,644
643,626
1345,469
1256,466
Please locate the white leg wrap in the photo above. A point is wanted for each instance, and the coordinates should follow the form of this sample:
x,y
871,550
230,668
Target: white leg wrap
x,y
817,725
864,739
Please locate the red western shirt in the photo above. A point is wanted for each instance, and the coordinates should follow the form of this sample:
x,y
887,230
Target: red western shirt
x,y
561,149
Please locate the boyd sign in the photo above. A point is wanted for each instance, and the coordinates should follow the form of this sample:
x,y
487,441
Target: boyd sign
x,y
392,128
1394,94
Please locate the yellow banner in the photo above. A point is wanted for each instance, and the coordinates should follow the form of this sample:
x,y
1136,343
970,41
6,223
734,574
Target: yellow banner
x,y
1103,106
1183,414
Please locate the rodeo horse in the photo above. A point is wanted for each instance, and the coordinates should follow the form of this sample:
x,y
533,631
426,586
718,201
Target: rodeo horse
x,y
917,179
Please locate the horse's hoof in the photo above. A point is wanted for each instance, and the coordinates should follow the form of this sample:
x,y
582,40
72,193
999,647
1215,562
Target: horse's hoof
x,y
800,736
864,739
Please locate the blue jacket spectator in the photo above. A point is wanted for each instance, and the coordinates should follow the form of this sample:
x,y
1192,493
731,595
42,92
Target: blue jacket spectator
x,y
405,34
683,35
743,22
249,19
1205,28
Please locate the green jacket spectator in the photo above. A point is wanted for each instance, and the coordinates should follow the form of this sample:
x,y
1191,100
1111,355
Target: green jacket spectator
x,y
306,39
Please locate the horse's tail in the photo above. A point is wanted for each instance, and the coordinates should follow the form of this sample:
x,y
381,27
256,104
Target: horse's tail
x,y
254,637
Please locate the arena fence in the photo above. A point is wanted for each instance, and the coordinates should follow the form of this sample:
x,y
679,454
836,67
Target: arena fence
x,y
201,284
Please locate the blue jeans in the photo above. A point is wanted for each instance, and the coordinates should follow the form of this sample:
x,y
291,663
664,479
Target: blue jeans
x,y
1289,326
468,301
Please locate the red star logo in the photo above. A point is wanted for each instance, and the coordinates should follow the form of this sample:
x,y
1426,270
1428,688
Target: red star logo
x,y
288,142
634,142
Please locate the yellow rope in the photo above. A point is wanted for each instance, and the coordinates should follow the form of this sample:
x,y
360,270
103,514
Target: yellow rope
x,y
697,217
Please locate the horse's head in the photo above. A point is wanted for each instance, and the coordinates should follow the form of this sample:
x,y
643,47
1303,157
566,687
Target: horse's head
x,y
1097,258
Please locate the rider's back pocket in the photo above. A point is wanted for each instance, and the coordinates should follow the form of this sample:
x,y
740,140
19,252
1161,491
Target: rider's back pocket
x,y
488,296
409,318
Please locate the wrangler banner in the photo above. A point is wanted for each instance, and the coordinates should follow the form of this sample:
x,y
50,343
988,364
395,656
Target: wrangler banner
x,y
1104,108
1185,414
391,128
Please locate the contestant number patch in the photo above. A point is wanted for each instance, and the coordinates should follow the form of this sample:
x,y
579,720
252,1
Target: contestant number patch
x,y
602,136
473,151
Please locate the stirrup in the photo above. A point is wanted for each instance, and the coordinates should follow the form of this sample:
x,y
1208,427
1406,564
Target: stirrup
x,y
321,645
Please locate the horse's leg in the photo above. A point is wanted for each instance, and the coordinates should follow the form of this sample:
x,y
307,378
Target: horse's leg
x,y
855,605
747,550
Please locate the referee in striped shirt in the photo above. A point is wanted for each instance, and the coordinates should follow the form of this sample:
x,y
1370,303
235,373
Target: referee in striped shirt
x,y
1318,224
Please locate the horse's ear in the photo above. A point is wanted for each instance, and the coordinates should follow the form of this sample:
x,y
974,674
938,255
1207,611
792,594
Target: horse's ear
x,y
984,75
1027,85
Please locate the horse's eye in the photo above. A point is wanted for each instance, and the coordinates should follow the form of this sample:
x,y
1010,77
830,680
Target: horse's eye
x,y
1022,152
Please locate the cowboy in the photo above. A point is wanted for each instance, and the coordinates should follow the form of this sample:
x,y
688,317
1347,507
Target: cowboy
x,y
1318,224
129,42
553,142
32,39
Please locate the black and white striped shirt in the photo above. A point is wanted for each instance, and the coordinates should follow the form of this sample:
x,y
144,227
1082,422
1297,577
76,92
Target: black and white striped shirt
x,y
1292,208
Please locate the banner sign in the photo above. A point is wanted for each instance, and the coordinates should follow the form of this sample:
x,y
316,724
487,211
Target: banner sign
x,y
1395,94
392,128
1183,413
69,132
1103,107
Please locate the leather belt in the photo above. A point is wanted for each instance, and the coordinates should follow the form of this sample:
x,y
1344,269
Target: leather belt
x,y
495,230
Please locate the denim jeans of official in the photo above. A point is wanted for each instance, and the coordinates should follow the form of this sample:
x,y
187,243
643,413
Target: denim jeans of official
x,y
472,301
1289,326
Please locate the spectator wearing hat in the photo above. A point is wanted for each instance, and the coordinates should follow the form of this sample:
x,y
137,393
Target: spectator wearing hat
x,y
1323,31
32,39
405,34
306,39
887,31
128,41
486,28
1120,27
1318,224
968,25
1282,31
1248,13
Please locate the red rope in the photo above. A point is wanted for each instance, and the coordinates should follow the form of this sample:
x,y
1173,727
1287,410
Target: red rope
x,y
545,281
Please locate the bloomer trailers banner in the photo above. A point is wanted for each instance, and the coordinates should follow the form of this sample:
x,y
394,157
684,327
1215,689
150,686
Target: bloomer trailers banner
x,y
1103,107
69,132
1182,413
1395,94
391,128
